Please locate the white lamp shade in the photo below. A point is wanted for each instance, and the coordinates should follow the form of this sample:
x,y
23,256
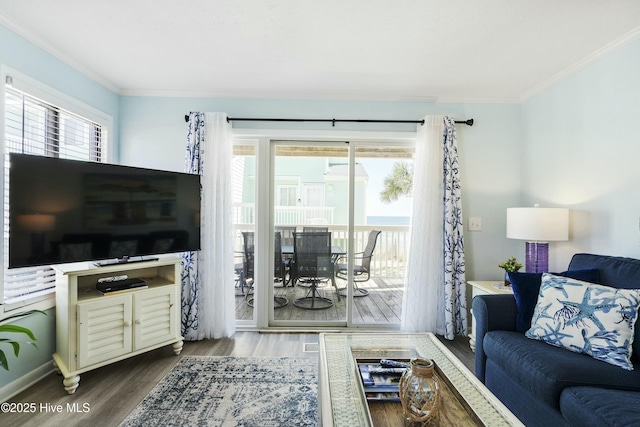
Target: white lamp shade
x,y
538,224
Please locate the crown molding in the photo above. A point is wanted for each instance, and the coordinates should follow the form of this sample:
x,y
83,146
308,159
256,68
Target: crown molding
x,y
477,100
345,96
591,59
57,53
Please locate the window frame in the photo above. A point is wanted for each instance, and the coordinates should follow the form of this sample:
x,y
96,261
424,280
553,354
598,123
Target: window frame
x,y
37,89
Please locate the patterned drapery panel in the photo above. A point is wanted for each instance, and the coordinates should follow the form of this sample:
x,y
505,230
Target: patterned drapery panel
x,y
455,307
208,309
435,291
190,278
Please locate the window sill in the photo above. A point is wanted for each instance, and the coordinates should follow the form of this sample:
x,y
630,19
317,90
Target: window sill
x,y
43,302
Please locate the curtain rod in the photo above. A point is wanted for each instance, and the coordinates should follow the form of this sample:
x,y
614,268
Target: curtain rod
x,y
333,122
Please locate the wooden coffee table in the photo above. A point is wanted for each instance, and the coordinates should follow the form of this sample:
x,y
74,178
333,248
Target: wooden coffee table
x,y
341,398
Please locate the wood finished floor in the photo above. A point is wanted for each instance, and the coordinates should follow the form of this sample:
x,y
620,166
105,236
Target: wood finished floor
x,y
113,391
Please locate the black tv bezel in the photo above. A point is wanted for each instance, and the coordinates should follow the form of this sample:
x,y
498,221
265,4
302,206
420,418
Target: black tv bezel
x,y
101,168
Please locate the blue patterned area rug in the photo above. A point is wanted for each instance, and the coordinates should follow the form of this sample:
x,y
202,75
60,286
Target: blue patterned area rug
x,y
233,391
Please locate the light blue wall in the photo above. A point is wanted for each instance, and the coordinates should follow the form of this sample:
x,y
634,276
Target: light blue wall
x,y
153,134
582,151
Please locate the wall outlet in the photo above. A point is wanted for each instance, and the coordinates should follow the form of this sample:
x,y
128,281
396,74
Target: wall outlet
x,y
475,223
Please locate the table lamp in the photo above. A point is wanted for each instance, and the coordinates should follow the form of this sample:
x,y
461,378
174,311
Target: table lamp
x,y
538,226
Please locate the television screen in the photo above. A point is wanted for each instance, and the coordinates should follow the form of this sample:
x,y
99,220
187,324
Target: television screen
x,y
63,211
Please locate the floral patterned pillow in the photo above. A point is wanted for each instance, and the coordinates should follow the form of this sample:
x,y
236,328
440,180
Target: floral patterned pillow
x,y
586,318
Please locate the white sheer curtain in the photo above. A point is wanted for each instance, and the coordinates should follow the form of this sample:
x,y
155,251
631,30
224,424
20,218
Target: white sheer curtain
x,y
208,295
435,291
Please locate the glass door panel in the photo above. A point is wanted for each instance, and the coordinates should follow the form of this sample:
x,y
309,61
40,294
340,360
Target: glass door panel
x,y
311,189
382,203
243,187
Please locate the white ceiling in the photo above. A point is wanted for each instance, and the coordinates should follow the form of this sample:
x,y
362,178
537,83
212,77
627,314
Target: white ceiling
x,y
445,50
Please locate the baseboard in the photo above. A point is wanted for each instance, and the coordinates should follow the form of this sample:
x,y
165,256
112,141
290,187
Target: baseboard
x,y
25,381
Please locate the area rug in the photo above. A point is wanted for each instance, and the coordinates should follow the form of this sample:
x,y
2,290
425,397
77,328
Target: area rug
x,y
233,391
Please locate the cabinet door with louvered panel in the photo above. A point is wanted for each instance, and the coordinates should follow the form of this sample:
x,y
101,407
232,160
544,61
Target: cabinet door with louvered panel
x,y
104,329
154,317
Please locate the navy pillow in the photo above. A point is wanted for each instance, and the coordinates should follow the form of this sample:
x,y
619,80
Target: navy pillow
x,y
526,287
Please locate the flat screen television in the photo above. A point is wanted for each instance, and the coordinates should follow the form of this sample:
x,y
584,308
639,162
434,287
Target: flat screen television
x,y
64,211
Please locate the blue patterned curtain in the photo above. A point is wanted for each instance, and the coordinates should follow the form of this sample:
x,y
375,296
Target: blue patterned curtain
x,y
455,306
190,278
208,309
435,290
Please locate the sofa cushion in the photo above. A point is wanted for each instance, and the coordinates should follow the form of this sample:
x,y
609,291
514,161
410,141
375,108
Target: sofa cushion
x,y
586,318
526,287
591,406
619,272
546,370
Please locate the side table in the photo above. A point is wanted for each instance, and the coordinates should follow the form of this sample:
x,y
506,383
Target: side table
x,y
484,287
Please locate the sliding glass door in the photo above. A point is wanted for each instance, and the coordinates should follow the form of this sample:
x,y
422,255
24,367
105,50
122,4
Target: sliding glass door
x,y
359,192
310,182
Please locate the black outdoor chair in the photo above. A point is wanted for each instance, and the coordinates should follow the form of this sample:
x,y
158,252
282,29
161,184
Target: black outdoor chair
x,y
279,267
286,233
246,276
314,264
361,271
238,269
248,268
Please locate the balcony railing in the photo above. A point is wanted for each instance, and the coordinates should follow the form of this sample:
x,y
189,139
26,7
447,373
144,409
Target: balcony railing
x,y
389,256
243,213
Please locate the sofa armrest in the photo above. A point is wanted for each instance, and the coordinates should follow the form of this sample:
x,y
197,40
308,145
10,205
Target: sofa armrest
x,y
491,313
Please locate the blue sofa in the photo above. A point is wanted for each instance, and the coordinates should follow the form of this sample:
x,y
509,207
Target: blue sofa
x,y
545,385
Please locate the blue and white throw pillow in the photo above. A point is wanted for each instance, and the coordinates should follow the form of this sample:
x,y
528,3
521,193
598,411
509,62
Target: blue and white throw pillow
x,y
586,318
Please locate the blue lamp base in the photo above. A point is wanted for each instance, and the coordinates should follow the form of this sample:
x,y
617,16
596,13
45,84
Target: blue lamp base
x,y
537,257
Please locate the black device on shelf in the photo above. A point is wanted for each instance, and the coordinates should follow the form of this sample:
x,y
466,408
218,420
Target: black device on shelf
x,y
63,211
120,285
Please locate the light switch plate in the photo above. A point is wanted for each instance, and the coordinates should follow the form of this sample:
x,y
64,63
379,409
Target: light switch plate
x,y
475,223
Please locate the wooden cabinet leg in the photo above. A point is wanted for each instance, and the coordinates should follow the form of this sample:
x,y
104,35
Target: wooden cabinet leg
x,y
71,383
177,347
56,369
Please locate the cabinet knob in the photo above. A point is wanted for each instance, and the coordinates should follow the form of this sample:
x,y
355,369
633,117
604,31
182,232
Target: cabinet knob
x,y
127,323
138,322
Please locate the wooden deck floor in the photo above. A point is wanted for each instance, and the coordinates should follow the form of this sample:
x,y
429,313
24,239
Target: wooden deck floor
x,y
382,306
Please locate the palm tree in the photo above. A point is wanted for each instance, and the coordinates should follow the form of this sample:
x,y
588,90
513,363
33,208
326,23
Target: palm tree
x,y
398,183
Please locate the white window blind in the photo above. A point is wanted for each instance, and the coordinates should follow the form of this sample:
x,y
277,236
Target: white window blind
x,y
33,126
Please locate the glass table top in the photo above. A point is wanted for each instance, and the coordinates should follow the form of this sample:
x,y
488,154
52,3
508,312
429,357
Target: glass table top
x,y
340,394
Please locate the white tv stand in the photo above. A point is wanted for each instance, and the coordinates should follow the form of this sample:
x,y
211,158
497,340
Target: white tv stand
x,y
95,330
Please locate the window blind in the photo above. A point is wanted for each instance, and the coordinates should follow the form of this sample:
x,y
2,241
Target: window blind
x,y
33,126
